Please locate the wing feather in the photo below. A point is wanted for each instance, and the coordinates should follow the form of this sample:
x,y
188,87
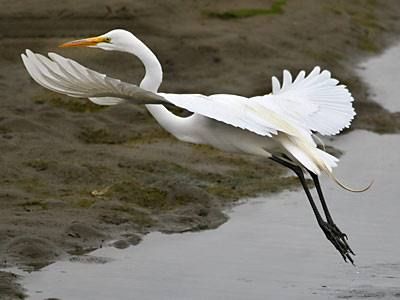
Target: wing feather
x,y
42,76
287,80
236,111
276,86
315,102
67,77
303,99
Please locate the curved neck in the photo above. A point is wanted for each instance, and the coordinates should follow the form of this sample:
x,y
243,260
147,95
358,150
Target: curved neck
x,y
153,70
151,82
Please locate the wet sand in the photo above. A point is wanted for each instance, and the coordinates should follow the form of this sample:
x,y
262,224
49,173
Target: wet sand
x,y
56,151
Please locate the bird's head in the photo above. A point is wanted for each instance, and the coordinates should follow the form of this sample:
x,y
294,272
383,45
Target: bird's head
x,y
117,39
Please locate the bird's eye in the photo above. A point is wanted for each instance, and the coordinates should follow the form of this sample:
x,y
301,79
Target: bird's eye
x,y
108,40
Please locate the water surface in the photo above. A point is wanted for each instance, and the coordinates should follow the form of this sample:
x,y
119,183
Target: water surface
x,y
382,73
271,248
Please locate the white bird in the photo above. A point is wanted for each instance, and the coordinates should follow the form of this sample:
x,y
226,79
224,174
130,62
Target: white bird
x,y
283,121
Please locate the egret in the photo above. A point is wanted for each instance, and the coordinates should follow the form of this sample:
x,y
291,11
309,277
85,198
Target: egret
x,y
280,126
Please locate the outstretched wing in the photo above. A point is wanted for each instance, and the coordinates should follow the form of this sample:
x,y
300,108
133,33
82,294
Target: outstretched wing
x,y
68,77
230,109
65,76
315,102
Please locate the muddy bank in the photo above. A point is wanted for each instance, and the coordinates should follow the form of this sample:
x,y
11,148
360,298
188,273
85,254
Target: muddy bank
x,y
75,175
9,288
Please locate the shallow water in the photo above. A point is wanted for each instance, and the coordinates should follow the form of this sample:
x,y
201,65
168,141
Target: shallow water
x,y
271,248
382,73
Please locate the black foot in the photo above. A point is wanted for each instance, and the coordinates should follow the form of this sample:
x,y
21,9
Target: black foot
x,y
338,239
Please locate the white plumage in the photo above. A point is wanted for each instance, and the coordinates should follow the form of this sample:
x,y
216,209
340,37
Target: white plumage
x,y
65,76
282,121
313,103
317,101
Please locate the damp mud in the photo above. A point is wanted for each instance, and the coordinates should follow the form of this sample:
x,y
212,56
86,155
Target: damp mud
x,y
76,177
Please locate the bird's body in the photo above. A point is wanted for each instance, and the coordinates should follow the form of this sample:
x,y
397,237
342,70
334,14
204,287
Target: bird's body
x,y
281,122
207,131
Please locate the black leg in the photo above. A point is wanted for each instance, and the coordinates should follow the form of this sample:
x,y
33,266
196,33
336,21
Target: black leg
x,y
299,172
328,216
333,234
321,197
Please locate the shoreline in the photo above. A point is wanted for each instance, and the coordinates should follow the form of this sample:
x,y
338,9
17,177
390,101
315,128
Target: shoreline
x,y
143,179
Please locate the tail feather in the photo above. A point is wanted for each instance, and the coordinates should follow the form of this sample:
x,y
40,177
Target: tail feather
x,y
297,148
330,162
347,188
315,160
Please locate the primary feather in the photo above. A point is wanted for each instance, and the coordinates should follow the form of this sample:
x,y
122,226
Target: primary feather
x,y
68,77
315,102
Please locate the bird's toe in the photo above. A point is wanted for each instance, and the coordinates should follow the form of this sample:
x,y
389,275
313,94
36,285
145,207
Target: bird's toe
x,y
339,240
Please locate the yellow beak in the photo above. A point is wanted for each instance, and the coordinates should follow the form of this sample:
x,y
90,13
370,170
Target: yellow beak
x,y
93,41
